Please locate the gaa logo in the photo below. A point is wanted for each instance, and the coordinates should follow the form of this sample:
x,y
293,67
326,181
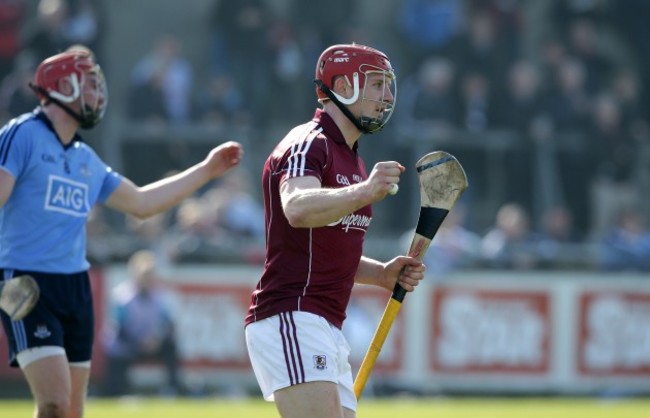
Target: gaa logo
x,y
320,362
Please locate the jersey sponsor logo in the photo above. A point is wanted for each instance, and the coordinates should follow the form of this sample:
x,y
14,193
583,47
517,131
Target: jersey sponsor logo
x,y
353,221
320,361
42,332
342,59
67,196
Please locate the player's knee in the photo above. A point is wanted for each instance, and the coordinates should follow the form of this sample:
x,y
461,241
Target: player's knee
x,y
53,409
76,412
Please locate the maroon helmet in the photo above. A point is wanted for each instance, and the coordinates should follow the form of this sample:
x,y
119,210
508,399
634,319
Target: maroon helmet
x,y
355,62
78,68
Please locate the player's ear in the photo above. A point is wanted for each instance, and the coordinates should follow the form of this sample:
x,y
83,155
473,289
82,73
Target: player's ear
x,y
343,87
65,86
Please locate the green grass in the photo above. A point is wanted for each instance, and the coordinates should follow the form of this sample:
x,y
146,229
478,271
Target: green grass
x,y
388,408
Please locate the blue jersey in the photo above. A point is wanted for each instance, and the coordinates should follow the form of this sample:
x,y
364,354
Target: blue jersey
x,y
43,224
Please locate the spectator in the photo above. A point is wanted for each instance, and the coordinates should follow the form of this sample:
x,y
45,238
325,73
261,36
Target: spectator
x,y
195,227
427,27
627,88
480,50
46,36
238,212
519,109
429,98
222,102
626,246
241,33
162,84
152,234
615,162
143,328
12,16
330,22
83,25
567,106
558,240
16,97
567,101
289,72
474,116
510,243
584,45
520,104
476,107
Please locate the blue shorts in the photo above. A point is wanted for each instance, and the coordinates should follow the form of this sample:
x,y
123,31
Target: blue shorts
x,y
63,317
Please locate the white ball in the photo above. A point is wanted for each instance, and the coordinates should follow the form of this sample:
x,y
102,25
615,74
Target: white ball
x,y
394,188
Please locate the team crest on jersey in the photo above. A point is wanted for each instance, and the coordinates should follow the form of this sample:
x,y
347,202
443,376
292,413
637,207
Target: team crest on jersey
x,y
84,170
67,196
320,362
42,332
48,158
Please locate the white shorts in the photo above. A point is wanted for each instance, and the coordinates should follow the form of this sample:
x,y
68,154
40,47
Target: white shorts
x,y
298,347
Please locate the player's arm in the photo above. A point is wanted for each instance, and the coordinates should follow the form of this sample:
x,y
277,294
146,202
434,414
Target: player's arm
x,y
308,205
407,270
7,182
164,194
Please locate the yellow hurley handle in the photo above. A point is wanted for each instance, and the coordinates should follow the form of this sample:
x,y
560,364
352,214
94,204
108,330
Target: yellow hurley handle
x,y
392,308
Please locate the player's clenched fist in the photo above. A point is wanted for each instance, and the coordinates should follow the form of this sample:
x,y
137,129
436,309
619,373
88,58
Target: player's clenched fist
x,y
382,178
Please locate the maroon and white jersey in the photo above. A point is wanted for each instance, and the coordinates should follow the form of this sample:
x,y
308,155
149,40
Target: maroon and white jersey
x,y
310,269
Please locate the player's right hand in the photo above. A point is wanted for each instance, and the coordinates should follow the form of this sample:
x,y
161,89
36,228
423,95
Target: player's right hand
x,y
384,174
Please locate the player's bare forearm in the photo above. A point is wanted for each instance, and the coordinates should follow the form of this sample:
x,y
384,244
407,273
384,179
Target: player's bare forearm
x,y
371,272
157,197
166,193
407,270
307,204
313,207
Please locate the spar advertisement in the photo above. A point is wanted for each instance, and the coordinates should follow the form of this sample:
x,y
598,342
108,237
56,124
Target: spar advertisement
x,y
614,334
489,331
485,332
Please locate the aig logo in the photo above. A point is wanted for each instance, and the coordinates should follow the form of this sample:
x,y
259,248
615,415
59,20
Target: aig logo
x,y
67,196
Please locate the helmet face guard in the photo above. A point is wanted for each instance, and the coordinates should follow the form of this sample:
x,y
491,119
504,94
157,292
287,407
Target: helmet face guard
x,y
358,64
84,84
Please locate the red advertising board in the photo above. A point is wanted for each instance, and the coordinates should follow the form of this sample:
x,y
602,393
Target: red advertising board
x,y
490,331
614,333
210,325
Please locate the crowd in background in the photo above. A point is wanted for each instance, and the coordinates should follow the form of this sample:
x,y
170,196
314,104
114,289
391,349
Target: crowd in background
x,y
569,112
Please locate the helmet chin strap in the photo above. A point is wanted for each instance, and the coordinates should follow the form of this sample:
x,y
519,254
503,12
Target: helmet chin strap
x,y
82,122
329,93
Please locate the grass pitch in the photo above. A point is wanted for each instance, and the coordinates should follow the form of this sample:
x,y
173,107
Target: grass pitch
x,y
386,408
